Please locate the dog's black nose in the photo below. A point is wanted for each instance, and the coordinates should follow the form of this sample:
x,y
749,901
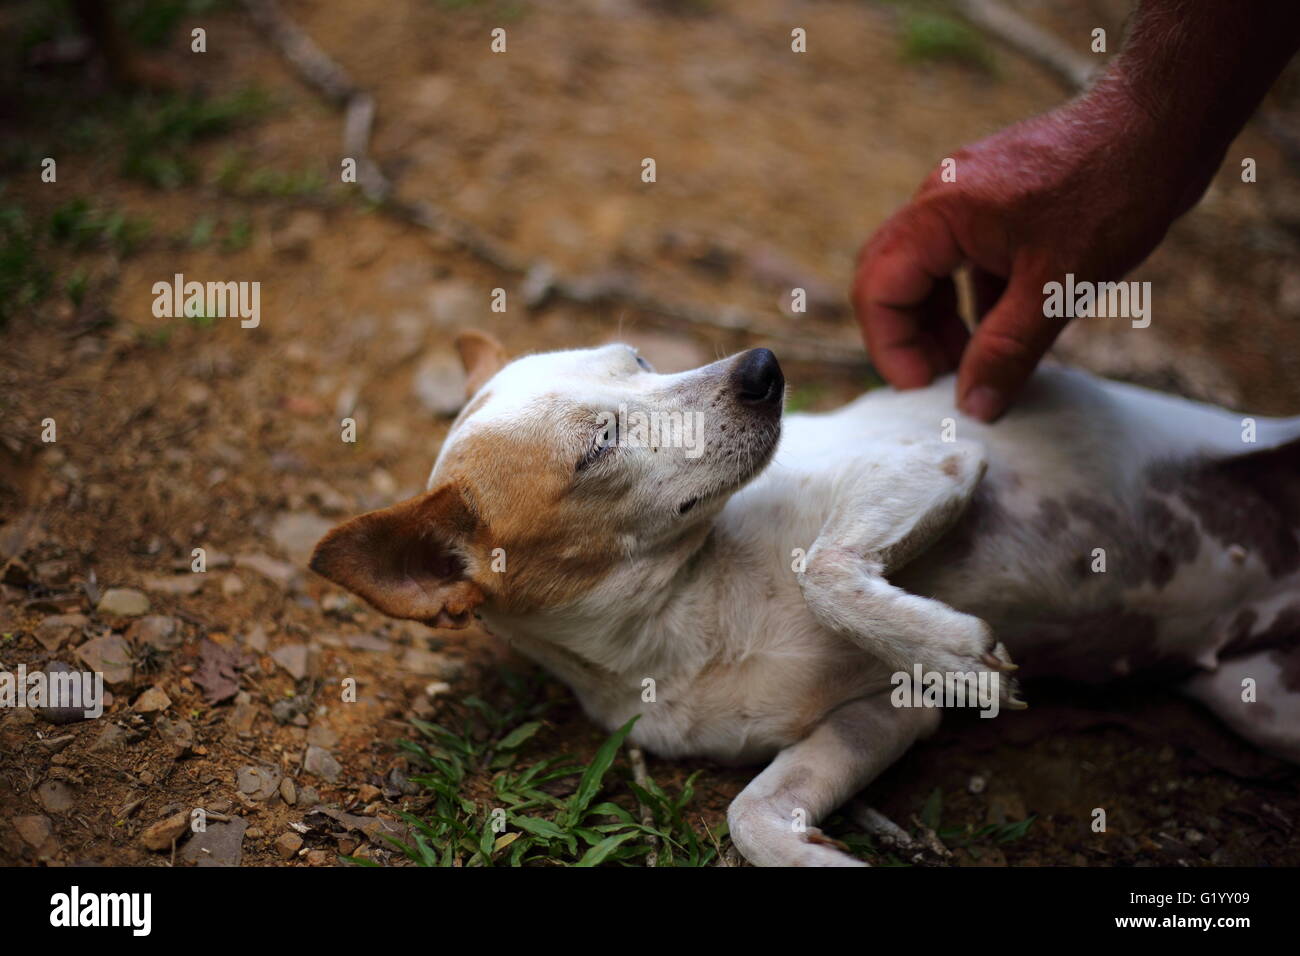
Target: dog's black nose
x,y
757,378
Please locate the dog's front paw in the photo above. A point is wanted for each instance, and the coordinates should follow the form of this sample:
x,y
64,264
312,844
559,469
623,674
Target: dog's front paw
x,y
810,848
765,838
999,661
820,850
972,648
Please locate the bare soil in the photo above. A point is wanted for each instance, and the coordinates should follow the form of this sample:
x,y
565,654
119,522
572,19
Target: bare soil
x,y
772,169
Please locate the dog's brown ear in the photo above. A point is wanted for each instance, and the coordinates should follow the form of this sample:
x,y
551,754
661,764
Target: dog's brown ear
x,y
482,355
403,559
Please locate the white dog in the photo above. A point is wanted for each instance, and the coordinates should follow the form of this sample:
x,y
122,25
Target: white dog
x,y
622,527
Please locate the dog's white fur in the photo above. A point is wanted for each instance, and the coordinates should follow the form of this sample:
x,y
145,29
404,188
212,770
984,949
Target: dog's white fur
x,y
770,586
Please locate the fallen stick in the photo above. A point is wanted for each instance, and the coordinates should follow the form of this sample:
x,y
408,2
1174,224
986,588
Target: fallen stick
x,y
1073,70
538,279
877,825
642,778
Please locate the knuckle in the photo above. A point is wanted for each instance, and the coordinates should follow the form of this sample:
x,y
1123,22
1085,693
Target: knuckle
x,y
1006,349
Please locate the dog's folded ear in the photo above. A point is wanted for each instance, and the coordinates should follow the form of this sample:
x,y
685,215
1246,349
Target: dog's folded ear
x,y
405,561
482,355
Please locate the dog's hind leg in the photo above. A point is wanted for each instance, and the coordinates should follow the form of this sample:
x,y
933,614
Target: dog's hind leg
x,y
773,820
1257,694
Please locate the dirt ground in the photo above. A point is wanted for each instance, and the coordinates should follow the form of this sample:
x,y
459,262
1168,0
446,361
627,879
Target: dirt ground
x,y
176,434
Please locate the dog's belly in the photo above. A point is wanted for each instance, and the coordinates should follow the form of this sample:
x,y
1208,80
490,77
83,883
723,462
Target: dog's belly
x,y
1092,590
1117,531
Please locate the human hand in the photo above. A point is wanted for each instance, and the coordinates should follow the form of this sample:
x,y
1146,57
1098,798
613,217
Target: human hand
x,y
1088,189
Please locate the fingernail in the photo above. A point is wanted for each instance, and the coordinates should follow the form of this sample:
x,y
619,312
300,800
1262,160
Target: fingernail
x,y
982,402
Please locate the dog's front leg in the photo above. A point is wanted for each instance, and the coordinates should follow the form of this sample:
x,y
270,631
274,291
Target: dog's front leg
x,y
773,820
893,508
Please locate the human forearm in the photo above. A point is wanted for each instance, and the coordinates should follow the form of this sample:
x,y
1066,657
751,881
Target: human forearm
x,y
1191,74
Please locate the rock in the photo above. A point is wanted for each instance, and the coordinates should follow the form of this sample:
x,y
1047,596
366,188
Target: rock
x,y
374,828
258,783
218,671
109,655
288,845
307,797
256,639
400,785
296,533
455,304
328,499
293,658
164,833
183,584
123,602
54,745
111,736
318,858
320,763
277,571
367,642
367,793
152,701
340,605
57,629
288,710
320,735
64,711
244,715
14,535
288,792
56,796
53,573
157,631
36,831
294,238
383,484
177,734
430,663
222,844
439,384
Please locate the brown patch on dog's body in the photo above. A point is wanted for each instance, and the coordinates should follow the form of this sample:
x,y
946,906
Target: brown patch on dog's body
x,y
482,355
404,560
1173,520
1248,500
520,491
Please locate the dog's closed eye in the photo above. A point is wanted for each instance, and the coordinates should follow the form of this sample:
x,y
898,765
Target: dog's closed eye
x,y
605,438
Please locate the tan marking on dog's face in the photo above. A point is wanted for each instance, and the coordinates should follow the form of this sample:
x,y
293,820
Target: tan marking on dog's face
x,y
553,549
565,505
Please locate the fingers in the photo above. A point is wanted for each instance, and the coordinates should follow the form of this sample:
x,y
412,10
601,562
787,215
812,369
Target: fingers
x,y
900,269
1006,347
949,332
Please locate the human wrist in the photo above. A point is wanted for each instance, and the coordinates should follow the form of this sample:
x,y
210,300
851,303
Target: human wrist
x,y
1171,150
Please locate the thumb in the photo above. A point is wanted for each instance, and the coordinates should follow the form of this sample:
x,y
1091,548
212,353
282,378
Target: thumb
x,y
1005,349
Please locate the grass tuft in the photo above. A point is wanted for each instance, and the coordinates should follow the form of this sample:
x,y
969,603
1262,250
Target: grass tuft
x,y
932,37
492,807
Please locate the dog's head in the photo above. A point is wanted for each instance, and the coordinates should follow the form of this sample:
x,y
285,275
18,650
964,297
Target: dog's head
x,y
561,467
